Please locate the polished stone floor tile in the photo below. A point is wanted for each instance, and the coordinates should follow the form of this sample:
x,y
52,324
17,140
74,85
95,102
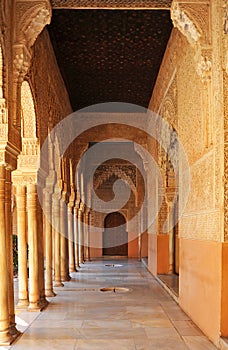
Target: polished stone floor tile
x,y
106,324
111,344
161,344
187,328
43,344
81,317
198,343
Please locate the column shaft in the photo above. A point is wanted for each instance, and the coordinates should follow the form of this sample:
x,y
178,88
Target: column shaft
x,y
63,242
56,227
81,238
34,290
22,247
71,240
9,242
48,246
76,238
5,337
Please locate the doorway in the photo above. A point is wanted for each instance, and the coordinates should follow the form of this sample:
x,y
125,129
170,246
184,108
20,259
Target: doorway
x,y
115,236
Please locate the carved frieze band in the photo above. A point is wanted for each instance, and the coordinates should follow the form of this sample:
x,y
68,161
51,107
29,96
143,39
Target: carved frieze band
x,y
111,4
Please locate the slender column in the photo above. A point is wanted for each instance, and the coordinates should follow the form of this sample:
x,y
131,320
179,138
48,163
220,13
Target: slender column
x,y
87,240
71,239
22,247
88,250
48,246
80,232
9,243
76,238
56,221
34,291
5,337
63,242
39,219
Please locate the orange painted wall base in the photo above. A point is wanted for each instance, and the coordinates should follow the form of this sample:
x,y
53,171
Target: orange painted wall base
x,y
200,284
158,256
224,303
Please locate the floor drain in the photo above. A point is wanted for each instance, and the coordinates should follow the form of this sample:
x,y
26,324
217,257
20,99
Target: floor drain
x,y
113,265
115,290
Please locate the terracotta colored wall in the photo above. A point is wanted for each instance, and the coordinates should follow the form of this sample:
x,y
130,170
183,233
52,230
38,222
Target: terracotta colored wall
x,y
152,253
158,254
162,254
200,281
224,303
96,244
132,246
144,245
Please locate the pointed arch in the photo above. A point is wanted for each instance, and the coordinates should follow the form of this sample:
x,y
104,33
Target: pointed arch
x,y
28,114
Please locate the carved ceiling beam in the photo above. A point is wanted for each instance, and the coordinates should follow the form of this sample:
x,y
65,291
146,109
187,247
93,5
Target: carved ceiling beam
x,y
112,4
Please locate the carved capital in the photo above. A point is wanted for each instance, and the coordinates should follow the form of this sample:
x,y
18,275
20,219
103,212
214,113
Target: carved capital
x,y
184,23
21,62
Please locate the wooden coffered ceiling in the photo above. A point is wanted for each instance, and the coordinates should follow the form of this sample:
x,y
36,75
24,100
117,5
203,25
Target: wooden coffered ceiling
x,y
109,56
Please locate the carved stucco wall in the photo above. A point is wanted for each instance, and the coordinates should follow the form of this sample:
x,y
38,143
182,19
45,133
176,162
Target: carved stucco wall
x,y
51,98
189,81
224,31
104,178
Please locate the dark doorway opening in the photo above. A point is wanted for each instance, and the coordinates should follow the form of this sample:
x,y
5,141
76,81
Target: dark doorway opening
x,y
115,236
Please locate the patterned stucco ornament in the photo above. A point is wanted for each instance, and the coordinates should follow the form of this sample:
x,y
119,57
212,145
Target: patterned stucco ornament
x,y
31,18
203,69
225,24
184,24
42,18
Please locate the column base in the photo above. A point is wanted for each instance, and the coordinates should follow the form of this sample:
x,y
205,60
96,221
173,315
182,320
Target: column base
x,y
66,278
43,303
7,339
13,331
50,293
72,269
22,304
37,306
58,284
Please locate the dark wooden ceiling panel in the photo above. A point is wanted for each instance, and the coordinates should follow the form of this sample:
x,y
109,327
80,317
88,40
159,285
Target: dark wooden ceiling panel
x,y
108,55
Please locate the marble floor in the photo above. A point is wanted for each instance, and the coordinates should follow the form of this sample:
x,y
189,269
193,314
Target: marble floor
x,y
142,316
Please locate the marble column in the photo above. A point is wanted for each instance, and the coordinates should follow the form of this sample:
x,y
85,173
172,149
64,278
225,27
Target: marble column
x,y
63,242
43,300
5,336
87,238
81,234
22,247
49,292
56,229
76,238
71,238
9,242
34,288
